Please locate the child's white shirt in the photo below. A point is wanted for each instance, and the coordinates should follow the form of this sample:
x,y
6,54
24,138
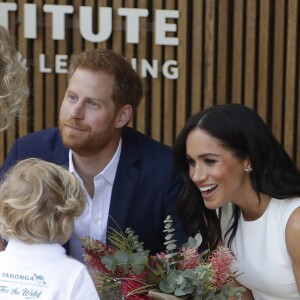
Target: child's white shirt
x,y
44,272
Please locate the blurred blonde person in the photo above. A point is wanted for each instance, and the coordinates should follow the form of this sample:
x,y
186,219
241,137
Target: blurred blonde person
x,y
13,80
38,203
13,84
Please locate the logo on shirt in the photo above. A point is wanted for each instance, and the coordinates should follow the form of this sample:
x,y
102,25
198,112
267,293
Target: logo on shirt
x,y
21,277
39,278
22,286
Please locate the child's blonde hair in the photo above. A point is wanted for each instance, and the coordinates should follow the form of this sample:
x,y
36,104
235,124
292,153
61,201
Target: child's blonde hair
x,y
36,197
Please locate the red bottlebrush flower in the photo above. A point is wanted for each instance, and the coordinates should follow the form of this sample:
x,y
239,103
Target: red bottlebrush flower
x,y
221,260
189,258
94,250
134,282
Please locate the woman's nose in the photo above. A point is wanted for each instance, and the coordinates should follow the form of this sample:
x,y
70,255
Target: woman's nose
x,y
199,174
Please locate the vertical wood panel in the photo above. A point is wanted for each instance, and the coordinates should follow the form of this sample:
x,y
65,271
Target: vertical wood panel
x,y
117,38
38,78
128,49
77,41
11,132
297,160
197,55
263,59
222,52
237,52
22,48
290,77
278,71
61,79
182,59
209,53
250,53
49,89
88,44
242,51
141,52
156,84
169,92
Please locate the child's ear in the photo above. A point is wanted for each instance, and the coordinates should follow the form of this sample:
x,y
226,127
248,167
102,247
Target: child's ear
x,y
67,226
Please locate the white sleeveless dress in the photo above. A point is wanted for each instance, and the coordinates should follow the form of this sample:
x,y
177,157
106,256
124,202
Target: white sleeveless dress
x,y
261,253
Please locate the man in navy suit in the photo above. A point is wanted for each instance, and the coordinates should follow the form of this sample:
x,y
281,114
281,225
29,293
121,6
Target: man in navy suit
x,y
129,178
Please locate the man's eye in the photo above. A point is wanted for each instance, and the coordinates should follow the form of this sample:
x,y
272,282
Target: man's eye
x,y
72,98
93,104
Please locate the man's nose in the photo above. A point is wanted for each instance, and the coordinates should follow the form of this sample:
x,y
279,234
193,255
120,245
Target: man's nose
x,y
77,110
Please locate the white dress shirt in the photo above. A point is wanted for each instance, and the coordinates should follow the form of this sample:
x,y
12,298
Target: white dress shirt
x,y
94,219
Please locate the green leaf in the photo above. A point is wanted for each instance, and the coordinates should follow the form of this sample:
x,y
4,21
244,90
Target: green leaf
x,y
138,258
138,262
169,236
194,241
109,262
171,247
137,269
180,279
171,255
179,292
166,287
190,274
168,219
167,226
170,242
121,258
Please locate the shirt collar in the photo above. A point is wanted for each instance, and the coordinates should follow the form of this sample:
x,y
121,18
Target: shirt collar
x,y
109,172
39,250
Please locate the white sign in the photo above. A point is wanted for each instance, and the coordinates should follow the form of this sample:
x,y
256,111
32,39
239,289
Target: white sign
x,y
164,32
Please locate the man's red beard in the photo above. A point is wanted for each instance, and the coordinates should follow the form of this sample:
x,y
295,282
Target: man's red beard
x,y
86,142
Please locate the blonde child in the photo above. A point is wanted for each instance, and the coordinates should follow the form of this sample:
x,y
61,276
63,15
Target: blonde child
x,y
38,203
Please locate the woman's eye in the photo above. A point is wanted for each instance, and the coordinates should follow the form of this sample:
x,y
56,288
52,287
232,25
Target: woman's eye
x,y
190,162
210,162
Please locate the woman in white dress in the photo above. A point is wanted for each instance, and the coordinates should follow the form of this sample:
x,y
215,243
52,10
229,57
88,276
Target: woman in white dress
x,y
227,155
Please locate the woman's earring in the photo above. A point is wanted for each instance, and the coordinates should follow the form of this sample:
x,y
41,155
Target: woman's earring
x,y
248,170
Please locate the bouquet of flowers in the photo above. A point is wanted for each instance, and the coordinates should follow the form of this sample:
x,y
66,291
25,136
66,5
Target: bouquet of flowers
x,y
125,270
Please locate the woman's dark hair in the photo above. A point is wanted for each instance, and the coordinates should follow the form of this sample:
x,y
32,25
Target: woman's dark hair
x,y
240,130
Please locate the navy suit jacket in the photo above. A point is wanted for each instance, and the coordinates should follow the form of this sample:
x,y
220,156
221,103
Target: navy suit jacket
x,y
145,188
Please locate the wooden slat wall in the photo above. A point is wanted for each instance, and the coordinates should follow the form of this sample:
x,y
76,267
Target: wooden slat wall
x,y
242,51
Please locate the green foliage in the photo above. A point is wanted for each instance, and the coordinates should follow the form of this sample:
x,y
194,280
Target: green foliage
x,y
183,272
169,242
130,255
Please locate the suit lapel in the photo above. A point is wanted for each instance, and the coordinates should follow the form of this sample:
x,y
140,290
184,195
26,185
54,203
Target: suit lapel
x,y
125,183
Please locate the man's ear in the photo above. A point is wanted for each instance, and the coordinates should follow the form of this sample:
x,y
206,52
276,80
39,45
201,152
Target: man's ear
x,y
123,116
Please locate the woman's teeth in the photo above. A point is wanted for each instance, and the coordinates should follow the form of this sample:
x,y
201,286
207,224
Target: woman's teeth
x,y
207,188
